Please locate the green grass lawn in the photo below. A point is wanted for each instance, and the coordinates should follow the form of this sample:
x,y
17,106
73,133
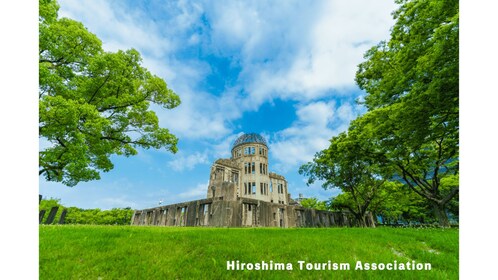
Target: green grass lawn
x,y
128,252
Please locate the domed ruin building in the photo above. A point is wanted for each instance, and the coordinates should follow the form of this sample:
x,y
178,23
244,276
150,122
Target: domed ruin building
x,y
243,193
246,174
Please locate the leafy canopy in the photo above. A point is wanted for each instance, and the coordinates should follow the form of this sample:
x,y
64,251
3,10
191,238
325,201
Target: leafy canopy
x,y
412,85
93,103
346,165
412,82
410,133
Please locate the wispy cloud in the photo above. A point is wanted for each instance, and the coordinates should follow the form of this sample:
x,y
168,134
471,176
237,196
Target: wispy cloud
x,y
302,52
200,116
316,123
117,202
326,57
222,149
117,26
195,193
316,190
188,162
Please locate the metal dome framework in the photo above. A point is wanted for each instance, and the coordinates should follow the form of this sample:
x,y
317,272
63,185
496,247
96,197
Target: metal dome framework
x,y
249,138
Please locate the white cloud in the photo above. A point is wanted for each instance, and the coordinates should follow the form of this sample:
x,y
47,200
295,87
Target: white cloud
x,y
316,190
232,22
198,192
328,53
116,202
103,194
181,163
199,116
255,30
223,149
297,50
117,28
219,149
346,112
316,124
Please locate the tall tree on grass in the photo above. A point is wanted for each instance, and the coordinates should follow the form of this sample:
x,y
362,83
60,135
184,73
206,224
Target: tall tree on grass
x,y
93,103
412,99
346,165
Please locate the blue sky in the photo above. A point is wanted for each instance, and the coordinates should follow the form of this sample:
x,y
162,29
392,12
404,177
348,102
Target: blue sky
x,y
283,69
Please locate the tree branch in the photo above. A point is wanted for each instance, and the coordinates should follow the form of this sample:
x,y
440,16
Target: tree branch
x,y
98,89
450,195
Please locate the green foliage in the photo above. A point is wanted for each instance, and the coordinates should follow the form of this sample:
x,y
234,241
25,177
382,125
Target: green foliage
x,y
119,252
92,103
392,202
115,216
47,204
410,133
412,83
74,215
313,203
397,202
346,165
419,61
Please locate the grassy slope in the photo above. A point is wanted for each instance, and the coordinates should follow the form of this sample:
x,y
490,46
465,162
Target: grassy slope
x,y
124,252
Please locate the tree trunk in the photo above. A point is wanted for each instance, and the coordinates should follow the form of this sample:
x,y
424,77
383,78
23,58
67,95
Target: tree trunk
x,y
371,219
440,212
361,219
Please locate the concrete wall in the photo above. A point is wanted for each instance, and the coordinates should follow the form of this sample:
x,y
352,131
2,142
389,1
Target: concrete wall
x,y
243,212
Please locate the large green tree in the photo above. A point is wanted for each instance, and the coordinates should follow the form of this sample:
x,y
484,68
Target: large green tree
x,y
93,103
411,128
412,99
346,165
